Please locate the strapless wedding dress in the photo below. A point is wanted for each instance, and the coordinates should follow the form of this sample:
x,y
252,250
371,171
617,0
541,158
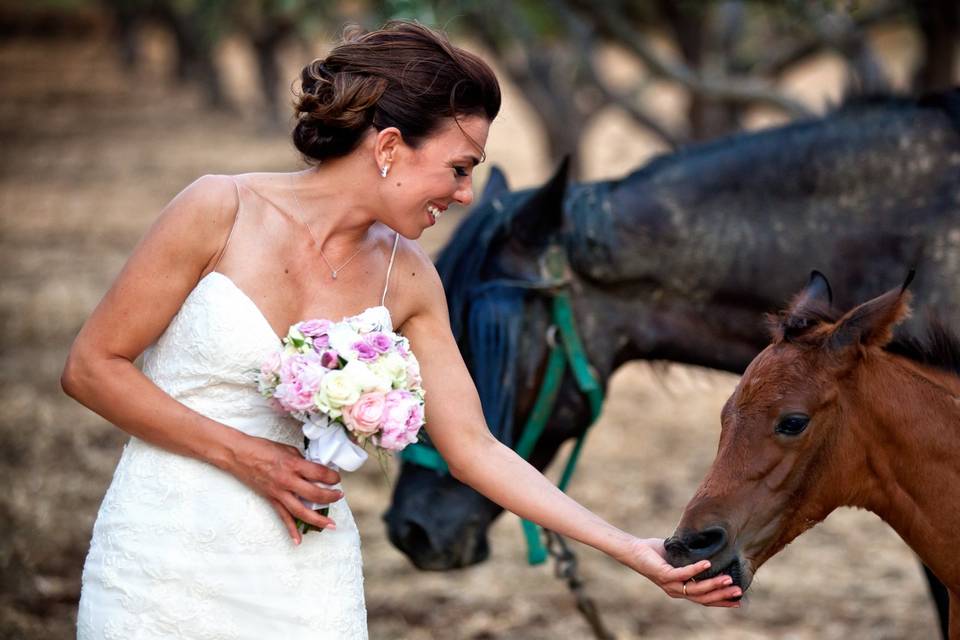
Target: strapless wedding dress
x,y
181,549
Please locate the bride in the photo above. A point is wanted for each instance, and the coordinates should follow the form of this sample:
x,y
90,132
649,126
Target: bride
x,y
196,535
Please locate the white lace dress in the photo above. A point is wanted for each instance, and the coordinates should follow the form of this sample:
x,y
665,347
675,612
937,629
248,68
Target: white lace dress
x,y
181,549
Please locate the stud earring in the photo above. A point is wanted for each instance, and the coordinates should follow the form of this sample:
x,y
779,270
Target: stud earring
x,y
383,170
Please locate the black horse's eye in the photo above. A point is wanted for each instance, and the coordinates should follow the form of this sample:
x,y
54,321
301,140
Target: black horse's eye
x,y
792,425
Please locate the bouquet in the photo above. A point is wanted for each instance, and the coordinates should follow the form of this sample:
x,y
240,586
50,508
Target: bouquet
x,y
352,384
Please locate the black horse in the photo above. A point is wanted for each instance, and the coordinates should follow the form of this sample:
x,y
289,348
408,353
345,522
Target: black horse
x,y
677,261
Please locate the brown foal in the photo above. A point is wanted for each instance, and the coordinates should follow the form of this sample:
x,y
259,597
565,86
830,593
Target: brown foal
x,y
834,412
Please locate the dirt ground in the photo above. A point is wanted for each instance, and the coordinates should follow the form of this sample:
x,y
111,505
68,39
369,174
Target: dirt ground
x,y
91,154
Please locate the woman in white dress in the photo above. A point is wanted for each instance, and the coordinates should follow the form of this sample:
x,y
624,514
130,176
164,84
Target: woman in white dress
x,y
196,537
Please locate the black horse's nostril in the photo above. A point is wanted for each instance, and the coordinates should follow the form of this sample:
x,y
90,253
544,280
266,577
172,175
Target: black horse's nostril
x,y
706,543
412,538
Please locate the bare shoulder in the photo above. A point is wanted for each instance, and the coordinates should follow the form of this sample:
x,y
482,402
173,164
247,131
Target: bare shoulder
x,y
210,199
198,219
422,289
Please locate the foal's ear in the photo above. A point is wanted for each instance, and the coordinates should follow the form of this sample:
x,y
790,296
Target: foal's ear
x,y
541,215
872,323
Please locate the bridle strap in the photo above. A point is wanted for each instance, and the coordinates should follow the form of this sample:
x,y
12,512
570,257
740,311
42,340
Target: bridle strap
x,y
570,350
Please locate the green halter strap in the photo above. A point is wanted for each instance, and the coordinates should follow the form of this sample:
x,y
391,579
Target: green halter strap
x,y
570,349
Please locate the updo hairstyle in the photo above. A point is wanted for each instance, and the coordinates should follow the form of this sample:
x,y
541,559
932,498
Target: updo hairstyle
x,y
404,75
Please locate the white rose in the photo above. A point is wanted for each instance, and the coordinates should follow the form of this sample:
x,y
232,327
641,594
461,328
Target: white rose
x,y
336,391
392,367
365,377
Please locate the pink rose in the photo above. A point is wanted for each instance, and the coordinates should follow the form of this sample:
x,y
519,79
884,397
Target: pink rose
x,y
365,352
300,377
365,414
380,342
317,331
400,413
293,397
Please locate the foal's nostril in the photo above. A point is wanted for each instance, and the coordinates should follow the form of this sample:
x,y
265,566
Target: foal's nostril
x,y
675,546
706,543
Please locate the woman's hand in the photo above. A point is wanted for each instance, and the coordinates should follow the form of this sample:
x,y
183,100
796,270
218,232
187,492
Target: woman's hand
x,y
280,474
648,557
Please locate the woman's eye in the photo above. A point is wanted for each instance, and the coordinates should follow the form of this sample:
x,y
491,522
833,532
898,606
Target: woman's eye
x,y
460,172
792,425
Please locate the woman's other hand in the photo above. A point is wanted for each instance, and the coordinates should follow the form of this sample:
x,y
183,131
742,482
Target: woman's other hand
x,y
279,473
648,557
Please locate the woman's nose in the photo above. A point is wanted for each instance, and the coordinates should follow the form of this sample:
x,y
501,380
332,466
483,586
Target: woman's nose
x,y
464,196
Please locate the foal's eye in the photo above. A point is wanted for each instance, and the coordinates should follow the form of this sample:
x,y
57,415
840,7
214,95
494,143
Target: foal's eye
x,y
792,425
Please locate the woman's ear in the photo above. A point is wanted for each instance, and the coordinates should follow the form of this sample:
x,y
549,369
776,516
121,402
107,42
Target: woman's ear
x,y
387,143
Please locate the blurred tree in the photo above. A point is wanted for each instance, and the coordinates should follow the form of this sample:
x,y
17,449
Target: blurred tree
x,y
728,54
199,26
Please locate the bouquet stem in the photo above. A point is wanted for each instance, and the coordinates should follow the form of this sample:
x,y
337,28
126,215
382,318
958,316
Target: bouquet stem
x,y
306,527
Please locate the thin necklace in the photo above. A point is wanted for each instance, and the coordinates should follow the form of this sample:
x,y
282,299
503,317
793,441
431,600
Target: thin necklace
x,y
333,271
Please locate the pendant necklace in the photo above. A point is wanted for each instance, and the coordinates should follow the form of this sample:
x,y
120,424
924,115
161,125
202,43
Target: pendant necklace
x,y
300,218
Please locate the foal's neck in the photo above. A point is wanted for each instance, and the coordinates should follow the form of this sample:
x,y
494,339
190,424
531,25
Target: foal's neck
x,y
908,422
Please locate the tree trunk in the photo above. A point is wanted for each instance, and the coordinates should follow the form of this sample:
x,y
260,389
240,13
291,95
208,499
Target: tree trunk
x,y
939,22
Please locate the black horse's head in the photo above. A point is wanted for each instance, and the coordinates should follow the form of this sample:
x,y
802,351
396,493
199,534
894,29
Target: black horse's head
x,y
494,275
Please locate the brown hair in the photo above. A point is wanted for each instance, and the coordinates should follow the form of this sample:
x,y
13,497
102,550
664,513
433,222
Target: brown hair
x,y
404,75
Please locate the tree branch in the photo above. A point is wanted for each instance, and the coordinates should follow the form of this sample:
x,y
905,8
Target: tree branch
x,y
585,45
783,58
736,88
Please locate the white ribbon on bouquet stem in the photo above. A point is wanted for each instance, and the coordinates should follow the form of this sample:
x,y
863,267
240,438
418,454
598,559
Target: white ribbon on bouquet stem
x,y
330,446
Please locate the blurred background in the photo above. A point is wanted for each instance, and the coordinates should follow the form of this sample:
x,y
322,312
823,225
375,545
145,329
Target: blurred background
x,y
108,109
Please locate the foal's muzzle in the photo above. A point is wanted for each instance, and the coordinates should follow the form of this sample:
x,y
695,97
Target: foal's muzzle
x,y
712,543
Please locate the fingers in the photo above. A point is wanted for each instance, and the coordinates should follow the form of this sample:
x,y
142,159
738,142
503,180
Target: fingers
x,y
287,520
317,472
682,574
297,509
313,493
703,587
718,591
719,598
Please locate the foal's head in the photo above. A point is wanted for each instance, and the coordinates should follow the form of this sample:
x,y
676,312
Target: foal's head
x,y
789,451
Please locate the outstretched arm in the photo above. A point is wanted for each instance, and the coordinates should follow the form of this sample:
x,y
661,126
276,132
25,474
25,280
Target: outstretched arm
x,y
455,422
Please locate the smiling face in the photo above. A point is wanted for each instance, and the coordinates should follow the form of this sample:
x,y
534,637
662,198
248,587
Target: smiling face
x,y
423,181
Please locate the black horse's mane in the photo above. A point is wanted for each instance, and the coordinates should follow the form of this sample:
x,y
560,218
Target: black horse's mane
x,y
461,262
486,321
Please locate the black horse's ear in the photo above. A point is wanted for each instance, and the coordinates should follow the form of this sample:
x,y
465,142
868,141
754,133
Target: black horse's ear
x,y
541,215
872,323
808,307
496,185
